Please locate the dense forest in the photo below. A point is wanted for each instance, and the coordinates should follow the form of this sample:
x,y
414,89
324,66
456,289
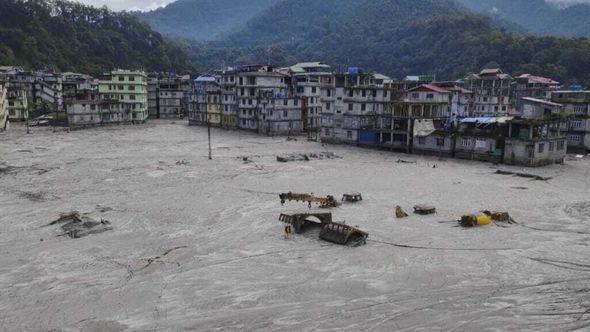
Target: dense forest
x,y
203,19
538,16
71,36
398,38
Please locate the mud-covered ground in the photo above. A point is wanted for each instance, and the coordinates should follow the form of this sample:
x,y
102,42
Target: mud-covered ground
x,y
197,245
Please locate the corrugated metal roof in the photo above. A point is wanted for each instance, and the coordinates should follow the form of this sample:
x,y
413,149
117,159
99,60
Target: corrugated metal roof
x,y
488,120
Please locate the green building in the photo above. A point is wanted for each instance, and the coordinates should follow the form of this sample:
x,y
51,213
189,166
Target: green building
x,y
17,103
129,88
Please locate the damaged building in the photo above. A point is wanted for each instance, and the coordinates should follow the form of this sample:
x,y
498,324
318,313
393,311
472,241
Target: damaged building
x,y
3,106
577,104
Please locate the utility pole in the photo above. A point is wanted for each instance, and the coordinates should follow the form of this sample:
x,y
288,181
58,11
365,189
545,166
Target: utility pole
x,y
208,122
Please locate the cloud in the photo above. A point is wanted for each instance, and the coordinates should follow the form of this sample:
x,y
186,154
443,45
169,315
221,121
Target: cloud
x,y
142,5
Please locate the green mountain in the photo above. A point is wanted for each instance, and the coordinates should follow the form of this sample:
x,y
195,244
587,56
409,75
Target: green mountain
x,y
396,37
71,36
538,16
203,19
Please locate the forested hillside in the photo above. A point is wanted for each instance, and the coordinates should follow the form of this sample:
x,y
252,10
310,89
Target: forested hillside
x,y
538,16
396,37
71,36
203,19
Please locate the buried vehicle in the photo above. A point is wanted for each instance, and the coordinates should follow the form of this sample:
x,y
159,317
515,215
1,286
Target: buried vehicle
x,y
330,231
352,197
325,202
301,222
343,234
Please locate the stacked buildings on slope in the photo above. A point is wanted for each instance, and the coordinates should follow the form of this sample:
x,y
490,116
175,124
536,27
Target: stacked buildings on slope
x,y
168,95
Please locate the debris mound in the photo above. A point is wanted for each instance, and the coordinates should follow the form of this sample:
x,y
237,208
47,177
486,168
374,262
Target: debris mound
x,y
334,232
524,175
76,225
400,213
325,202
285,158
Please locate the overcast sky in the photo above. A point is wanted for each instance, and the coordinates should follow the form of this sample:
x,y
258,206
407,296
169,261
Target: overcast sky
x,y
153,4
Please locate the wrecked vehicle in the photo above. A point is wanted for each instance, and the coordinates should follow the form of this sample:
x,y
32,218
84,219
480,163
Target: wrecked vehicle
x,y
338,233
301,222
352,197
325,202
343,234
475,220
424,209
77,225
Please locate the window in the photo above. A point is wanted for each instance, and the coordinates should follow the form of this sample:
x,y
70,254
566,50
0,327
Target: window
x,y
349,134
422,140
560,145
574,138
327,132
485,99
384,93
363,107
374,93
364,93
329,93
131,78
415,95
132,97
430,96
285,113
551,146
285,102
350,107
466,142
121,78
328,106
541,147
440,142
576,124
313,90
296,102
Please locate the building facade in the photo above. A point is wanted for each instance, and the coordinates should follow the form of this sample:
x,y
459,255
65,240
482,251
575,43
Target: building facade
x,y
3,106
18,106
129,89
577,104
492,91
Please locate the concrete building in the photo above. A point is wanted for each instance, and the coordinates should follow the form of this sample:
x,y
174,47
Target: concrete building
x,y
18,106
168,95
481,138
537,136
3,106
359,100
83,107
229,103
205,104
577,104
306,78
43,88
129,88
267,103
492,92
527,85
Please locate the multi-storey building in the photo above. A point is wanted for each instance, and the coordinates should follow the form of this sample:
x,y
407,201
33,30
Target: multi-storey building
x,y
18,106
3,106
84,107
577,104
129,88
359,101
527,85
229,106
492,92
266,101
306,79
537,136
168,95
205,106
43,88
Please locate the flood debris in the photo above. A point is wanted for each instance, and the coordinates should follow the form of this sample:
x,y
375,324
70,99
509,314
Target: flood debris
x,y
182,162
77,225
39,196
330,231
524,175
303,221
401,161
285,158
400,213
324,202
352,197
486,218
471,220
424,209
159,258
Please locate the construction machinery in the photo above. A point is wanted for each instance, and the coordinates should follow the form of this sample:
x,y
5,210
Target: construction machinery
x,y
324,202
